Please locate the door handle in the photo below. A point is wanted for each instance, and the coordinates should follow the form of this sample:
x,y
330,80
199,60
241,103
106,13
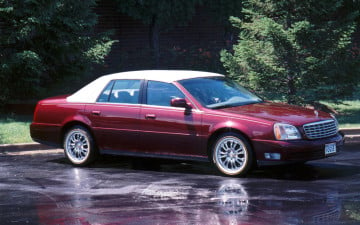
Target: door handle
x,y
150,116
96,113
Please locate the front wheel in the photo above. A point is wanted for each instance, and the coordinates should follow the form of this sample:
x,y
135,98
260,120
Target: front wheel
x,y
79,146
232,154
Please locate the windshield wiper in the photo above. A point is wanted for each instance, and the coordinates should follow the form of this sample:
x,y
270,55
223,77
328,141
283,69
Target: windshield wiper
x,y
222,106
229,105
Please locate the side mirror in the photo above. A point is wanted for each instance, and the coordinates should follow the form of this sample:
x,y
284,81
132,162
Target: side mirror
x,y
180,103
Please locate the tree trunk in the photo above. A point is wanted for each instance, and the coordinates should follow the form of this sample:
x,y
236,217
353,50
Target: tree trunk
x,y
290,64
291,90
154,41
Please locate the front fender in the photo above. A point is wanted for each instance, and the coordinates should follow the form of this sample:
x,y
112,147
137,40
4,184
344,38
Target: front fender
x,y
251,129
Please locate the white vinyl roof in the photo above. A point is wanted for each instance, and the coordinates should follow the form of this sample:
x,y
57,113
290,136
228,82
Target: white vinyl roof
x,y
90,92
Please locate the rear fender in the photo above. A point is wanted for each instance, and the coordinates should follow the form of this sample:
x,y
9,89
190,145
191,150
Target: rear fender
x,y
73,121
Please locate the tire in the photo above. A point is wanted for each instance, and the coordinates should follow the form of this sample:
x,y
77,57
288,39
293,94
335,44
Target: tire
x,y
79,146
232,154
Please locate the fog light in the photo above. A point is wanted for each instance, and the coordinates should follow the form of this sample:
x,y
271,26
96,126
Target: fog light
x,y
272,156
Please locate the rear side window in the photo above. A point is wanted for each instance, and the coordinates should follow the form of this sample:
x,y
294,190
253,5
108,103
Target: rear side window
x,y
121,91
160,93
104,97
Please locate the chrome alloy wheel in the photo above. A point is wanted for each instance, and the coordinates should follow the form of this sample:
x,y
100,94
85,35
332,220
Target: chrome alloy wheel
x,y
231,155
77,146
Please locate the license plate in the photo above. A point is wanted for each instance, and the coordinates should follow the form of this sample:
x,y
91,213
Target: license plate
x,y
330,148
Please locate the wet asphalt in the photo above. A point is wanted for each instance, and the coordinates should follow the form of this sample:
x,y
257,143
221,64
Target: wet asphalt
x,y
46,189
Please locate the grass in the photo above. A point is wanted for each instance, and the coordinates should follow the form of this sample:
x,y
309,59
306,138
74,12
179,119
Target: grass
x,y
348,113
14,129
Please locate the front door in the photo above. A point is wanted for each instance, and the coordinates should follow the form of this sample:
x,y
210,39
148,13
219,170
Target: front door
x,y
165,129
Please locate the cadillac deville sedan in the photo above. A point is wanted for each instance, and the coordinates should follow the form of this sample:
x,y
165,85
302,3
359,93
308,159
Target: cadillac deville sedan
x,y
183,115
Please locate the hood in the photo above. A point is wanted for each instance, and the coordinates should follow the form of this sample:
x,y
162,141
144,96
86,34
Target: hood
x,y
279,112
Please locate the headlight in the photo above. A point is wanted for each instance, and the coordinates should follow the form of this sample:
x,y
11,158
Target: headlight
x,y
285,131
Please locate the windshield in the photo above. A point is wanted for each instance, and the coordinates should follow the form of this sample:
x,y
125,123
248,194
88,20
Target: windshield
x,y
218,92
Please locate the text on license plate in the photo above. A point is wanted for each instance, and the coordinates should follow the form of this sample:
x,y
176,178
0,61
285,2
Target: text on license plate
x,y
330,148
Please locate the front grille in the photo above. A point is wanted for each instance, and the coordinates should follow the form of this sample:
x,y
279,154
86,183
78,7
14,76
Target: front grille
x,y
320,129
327,217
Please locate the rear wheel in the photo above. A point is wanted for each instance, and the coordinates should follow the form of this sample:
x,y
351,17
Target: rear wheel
x,y
232,154
79,146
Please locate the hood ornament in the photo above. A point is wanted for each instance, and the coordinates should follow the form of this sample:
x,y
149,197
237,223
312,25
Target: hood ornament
x,y
316,113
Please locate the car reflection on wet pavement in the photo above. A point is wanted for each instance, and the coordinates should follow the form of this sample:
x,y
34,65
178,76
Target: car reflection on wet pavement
x,y
45,189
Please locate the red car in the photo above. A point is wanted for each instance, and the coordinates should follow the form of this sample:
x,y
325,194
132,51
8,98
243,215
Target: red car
x,y
186,115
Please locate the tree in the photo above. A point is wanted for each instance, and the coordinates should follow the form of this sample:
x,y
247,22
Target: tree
x,y
159,15
43,41
299,50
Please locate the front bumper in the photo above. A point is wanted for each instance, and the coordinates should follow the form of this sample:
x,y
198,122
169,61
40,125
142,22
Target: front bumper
x,y
295,151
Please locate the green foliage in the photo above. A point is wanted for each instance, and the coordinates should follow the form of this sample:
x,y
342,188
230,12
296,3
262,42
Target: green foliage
x,y
160,15
221,10
43,41
99,50
167,13
300,51
164,15
194,58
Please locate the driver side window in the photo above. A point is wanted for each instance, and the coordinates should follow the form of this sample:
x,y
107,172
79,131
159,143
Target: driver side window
x,y
160,93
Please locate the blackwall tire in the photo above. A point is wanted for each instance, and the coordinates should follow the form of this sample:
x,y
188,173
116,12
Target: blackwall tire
x,y
79,146
232,154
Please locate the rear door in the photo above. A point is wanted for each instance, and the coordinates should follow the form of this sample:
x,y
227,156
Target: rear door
x,y
115,116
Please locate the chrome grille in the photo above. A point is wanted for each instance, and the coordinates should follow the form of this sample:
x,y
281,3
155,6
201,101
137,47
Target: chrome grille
x,y
320,129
